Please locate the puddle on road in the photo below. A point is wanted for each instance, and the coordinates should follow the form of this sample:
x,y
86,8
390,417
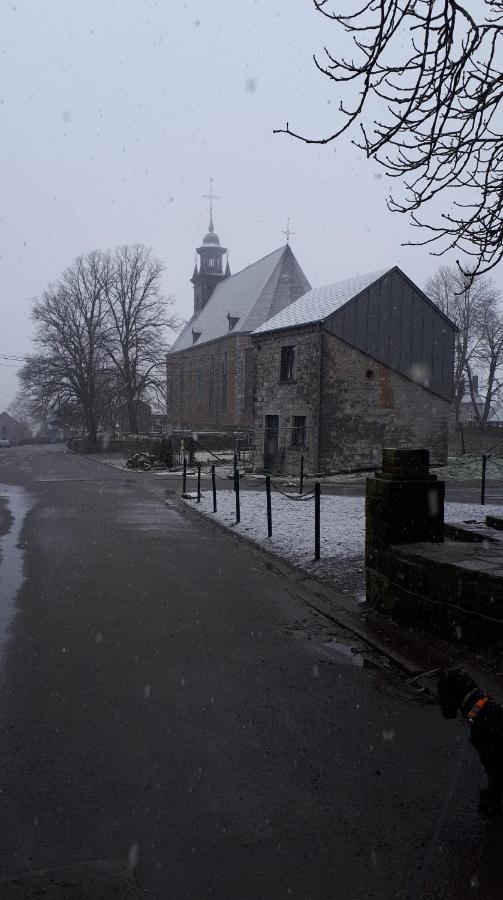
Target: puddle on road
x,y
337,649
12,576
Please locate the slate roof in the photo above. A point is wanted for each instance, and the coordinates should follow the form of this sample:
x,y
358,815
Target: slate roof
x,y
319,303
251,295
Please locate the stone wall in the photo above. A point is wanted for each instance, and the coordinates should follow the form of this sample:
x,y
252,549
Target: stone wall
x,y
288,399
366,406
197,397
476,440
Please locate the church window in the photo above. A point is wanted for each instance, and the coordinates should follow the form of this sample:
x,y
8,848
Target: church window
x,y
299,431
224,381
200,382
211,382
287,365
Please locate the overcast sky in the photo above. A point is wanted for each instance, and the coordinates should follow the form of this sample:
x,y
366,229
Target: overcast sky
x,y
114,115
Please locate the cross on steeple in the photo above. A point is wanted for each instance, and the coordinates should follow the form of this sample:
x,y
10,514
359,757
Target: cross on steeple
x,y
211,197
288,232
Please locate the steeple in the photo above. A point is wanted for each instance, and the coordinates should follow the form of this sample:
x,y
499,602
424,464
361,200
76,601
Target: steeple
x,y
210,270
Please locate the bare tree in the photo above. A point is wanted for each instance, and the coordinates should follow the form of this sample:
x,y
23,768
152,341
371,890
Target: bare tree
x,y
489,357
433,70
472,304
137,322
66,372
19,409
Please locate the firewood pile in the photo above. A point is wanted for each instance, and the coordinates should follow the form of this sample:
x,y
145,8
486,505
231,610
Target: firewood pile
x,y
143,461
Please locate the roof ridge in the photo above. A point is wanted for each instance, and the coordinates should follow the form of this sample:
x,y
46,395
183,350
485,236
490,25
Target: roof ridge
x,y
194,318
249,266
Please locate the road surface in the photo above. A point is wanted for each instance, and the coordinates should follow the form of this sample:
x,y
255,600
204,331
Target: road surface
x,y
168,701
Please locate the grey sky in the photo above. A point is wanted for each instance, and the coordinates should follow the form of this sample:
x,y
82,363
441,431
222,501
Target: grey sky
x,y
115,114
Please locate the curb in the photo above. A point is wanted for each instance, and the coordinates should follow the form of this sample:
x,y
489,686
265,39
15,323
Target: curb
x,y
325,600
422,652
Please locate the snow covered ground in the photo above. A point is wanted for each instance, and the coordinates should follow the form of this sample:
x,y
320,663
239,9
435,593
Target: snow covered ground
x,y
342,532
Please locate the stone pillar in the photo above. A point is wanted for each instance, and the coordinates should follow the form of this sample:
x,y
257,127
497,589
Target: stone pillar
x,y
404,504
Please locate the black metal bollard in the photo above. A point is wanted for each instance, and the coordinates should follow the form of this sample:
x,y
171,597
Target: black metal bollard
x,y
199,482
184,482
235,468
483,486
238,503
269,510
301,485
317,492
214,487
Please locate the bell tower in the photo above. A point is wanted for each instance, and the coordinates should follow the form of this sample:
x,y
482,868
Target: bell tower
x,y
210,271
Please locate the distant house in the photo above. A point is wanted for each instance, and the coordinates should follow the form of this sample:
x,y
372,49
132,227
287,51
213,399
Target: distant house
x,y
13,431
467,414
210,367
350,368
158,423
144,413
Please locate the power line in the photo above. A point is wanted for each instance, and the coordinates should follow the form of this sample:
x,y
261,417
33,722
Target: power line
x,y
17,358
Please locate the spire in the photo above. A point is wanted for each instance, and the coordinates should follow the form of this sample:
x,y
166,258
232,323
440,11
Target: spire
x,y
288,233
227,268
211,197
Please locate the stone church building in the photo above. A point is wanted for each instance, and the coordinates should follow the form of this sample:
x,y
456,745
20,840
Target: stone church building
x,y
350,368
210,368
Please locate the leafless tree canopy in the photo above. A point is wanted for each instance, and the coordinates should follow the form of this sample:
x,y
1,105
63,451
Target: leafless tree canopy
x,y
431,68
100,340
65,373
137,320
473,305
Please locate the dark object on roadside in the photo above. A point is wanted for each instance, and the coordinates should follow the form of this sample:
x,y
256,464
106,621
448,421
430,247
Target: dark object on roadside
x,y
457,691
162,450
143,461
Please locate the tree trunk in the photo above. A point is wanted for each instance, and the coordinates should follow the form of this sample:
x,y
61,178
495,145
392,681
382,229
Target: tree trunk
x,y
132,412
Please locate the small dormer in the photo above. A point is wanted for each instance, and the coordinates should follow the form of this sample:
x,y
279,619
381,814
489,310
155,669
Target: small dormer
x,y
195,336
232,320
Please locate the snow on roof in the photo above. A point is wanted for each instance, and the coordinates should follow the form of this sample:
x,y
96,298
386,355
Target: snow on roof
x,y
320,302
497,415
248,296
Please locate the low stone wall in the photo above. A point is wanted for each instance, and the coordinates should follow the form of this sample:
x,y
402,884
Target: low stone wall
x,y
454,589
476,440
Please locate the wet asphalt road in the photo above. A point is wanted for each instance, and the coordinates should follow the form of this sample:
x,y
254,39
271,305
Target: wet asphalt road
x,y
168,699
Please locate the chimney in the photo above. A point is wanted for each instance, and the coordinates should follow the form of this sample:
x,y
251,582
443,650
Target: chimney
x,y
475,384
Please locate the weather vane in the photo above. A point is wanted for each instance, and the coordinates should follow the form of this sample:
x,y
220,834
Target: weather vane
x,y
211,197
288,232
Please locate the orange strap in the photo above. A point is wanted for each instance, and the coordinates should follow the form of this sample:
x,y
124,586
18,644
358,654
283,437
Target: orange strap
x,y
477,707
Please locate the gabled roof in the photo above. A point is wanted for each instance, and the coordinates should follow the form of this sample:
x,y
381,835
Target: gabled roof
x,y
251,296
319,303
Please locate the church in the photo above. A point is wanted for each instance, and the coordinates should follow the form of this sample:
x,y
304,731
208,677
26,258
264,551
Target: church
x,y
211,366
332,374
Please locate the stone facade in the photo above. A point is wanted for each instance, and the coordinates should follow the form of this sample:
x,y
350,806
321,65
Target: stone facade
x,y
298,397
210,388
366,405
352,404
